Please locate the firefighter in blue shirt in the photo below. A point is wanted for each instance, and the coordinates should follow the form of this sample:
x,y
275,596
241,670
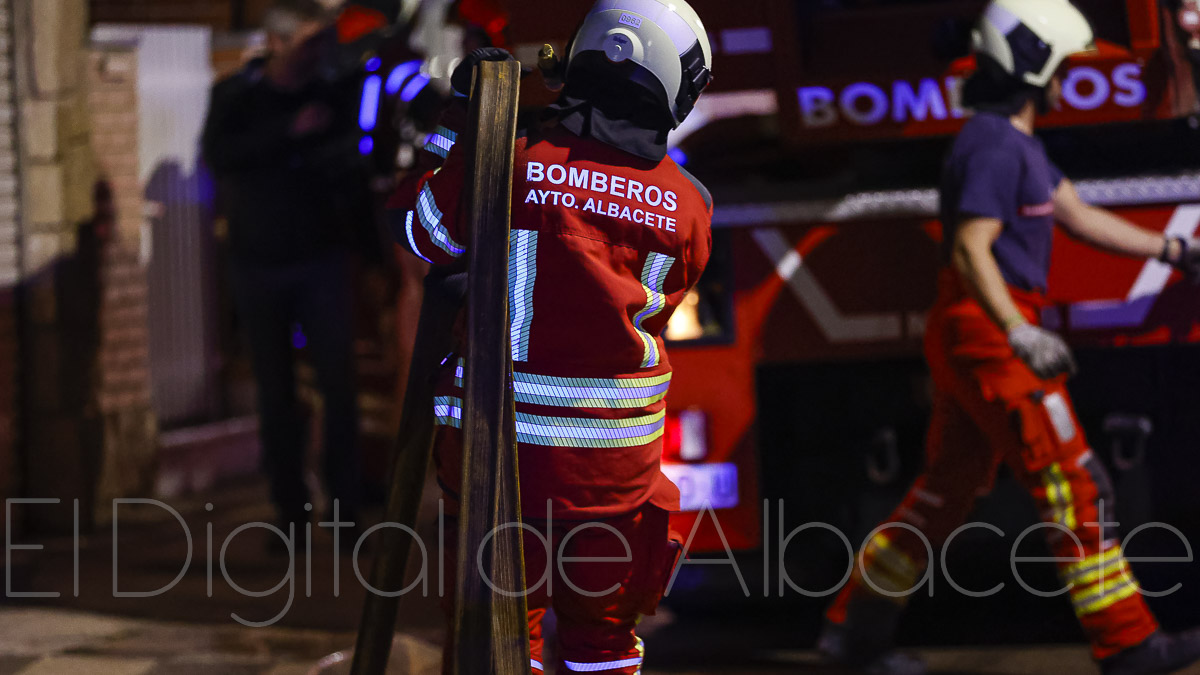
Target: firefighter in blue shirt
x,y
999,378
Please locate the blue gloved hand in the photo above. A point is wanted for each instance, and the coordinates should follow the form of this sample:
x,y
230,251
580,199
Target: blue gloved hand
x,y
460,80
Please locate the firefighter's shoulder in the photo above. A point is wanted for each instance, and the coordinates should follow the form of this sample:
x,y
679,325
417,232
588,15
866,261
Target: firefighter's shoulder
x,y
703,191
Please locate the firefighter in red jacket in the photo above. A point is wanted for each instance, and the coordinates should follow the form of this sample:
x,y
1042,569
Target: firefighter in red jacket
x,y
999,378
608,235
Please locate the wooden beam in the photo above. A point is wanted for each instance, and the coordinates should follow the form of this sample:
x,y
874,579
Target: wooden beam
x,y
439,311
491,633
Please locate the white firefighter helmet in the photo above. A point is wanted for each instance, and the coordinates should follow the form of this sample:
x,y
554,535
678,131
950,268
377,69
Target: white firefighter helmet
x,y
1030,39
664,37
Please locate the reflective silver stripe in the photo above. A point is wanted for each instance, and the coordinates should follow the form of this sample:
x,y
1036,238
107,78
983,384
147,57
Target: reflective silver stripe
x,y
583,392
569,432
447,411
913,517
412,243
577,667
522,274
578,392
535,664
440,142
653,276
431,220
438,146
928,497
575,432
923,203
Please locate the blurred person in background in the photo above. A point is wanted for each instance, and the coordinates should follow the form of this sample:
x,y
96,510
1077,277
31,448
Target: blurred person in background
x,y
1000,392
1188,17
281,141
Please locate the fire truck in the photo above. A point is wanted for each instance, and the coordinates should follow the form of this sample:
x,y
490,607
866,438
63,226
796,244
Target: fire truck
x,y
800,394
799,378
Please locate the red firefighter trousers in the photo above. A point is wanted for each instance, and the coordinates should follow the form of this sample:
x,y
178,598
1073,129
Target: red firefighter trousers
x,y
990,408
600,577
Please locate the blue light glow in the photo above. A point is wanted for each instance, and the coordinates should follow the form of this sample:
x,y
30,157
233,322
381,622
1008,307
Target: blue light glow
x,y
678,155
299,340
413,88
373,64
400,74
368,114
366,145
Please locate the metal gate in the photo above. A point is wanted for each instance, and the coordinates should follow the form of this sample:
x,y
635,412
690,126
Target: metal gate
x,y
174,78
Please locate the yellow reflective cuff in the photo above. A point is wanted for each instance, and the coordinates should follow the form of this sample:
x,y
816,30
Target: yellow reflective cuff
x,y
1109,598
881,556
1107,572
887,580
1103,560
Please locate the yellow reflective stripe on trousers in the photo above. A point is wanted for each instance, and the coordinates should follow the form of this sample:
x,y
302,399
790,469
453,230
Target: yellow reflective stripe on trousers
x,y
1060,496
1109,569
1104,595
1092,565
898,570
1101,583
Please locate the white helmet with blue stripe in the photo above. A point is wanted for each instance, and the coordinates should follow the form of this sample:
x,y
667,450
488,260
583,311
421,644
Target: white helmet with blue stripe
x,y
1030,39
665,38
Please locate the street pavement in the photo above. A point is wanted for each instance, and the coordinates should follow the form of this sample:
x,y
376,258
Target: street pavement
x,y
37,641
63,642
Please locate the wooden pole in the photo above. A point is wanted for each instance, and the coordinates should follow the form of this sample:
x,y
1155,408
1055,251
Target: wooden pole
x,y
439,310
490,630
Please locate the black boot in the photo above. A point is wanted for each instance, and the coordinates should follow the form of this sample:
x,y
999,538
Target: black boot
x,y
1159,653
864,642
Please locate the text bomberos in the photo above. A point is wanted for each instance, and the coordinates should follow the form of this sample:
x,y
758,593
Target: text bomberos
x,y
605,184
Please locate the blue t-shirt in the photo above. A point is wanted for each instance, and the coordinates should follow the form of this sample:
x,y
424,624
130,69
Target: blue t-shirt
x,y
996,171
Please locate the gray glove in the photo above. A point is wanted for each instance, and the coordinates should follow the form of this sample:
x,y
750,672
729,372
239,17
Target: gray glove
x,y
1046,354
1187,260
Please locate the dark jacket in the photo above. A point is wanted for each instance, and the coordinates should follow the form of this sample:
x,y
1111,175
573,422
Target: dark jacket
x,y
287,199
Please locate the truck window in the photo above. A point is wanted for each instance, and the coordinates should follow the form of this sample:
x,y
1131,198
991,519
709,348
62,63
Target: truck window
x,y
706,314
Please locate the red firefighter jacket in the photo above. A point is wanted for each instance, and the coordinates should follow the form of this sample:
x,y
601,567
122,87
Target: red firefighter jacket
x,y
604,247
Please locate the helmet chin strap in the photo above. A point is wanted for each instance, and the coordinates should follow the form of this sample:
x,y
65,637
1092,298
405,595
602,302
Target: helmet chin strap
x,y
1042,102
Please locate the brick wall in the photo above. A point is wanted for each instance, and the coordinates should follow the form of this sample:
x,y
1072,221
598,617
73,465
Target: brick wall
x,y
9,262
123,380
59,440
